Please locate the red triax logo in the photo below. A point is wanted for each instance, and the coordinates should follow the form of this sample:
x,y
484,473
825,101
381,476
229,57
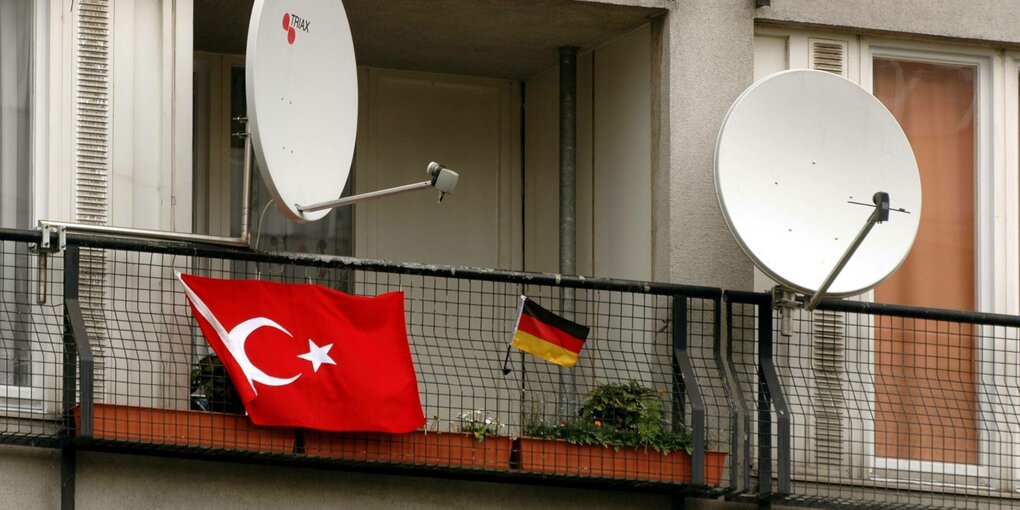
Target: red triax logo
x,y
291,23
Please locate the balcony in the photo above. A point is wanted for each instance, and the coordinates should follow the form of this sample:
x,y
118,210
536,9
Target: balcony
x,y
100,352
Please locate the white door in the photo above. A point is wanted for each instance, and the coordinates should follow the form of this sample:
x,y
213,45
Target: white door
x,y
471,125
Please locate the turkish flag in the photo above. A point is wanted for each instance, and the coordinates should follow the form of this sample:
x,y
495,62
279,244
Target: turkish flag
x,y
302,355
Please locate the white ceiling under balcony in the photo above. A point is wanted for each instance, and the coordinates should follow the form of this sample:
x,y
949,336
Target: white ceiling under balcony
x,y
495,38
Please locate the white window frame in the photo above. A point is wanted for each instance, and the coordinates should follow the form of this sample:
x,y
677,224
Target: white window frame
x,y
53,158
1011,156
990,208
50,168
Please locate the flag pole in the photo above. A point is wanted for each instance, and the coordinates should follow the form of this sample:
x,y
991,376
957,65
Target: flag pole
x,y
517,322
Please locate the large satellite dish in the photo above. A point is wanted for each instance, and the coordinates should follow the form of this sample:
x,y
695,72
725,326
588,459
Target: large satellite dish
x,y
302,92
798,163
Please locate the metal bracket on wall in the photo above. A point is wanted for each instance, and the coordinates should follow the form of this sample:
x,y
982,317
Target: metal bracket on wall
x,y
47,231
43,249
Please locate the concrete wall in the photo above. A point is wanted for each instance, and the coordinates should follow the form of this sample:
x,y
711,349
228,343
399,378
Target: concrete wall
x,y
706,61
118,481
30,477
31,480
978,20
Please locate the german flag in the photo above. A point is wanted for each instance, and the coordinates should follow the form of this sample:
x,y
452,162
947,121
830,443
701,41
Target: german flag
x,y
547,335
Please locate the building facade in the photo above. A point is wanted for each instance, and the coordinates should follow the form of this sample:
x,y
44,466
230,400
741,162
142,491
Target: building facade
x,y
123,113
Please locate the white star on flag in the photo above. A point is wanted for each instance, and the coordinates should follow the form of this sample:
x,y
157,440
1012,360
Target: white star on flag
x,y
317,355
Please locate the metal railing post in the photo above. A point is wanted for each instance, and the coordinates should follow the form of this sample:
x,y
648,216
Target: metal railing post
x,y
770,394
76,346
741,421
764,400
729,381
689,381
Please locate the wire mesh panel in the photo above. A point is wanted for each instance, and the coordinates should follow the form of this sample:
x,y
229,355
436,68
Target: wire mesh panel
x,y
31,345
904,409
675,388
646,404
758,421
889,406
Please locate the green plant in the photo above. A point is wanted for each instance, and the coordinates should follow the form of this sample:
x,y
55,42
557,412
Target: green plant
x,y
617,416
211,389
479,423
534,424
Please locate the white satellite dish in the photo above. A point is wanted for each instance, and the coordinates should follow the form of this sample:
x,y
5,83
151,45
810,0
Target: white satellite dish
x,y
302,92
800,156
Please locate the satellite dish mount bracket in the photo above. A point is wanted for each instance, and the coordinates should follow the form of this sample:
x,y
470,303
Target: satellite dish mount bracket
x,y
441,178
784,300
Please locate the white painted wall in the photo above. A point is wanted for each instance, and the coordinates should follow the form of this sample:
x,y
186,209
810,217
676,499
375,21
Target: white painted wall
x,y
151,64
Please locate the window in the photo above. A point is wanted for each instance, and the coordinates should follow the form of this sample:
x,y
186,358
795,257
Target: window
x,y
926,406
15,110
15,164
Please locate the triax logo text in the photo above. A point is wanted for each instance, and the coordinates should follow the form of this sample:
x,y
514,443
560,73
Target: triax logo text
x,y
292,23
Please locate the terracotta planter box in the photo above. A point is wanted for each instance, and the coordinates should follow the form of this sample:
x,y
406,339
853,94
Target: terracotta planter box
x,y
452,449
368,446
553,456
185,428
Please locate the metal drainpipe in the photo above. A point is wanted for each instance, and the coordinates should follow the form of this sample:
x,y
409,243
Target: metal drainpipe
x,y
568,206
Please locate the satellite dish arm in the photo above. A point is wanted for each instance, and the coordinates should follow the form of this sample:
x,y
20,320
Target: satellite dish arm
x,y
880,214
440,177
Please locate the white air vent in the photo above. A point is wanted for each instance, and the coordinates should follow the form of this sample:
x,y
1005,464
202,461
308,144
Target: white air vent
x,y
829,367
92,165
828,55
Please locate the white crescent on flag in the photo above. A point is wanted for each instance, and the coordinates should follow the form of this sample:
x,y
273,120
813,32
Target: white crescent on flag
x,y
235,339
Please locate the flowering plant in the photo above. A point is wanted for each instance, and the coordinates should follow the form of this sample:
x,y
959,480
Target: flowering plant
x,y
617,416
480,423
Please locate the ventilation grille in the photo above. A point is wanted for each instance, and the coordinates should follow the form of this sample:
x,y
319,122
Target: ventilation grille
x,y
829,356
828,55
93,111
92,142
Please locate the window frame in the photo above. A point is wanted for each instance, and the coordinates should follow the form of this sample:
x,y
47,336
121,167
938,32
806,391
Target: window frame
x,y
1011,157
990,208
50,91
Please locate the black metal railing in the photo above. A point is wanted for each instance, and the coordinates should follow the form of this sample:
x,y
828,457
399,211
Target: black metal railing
x,y
133,372
859,405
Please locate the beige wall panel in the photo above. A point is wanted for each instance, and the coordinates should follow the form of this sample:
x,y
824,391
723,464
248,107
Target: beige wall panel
x,y
468,124
613,162
769,55
541,170
622,157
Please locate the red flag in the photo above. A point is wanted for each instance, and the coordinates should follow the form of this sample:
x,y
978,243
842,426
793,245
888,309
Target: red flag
x,y
302,355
